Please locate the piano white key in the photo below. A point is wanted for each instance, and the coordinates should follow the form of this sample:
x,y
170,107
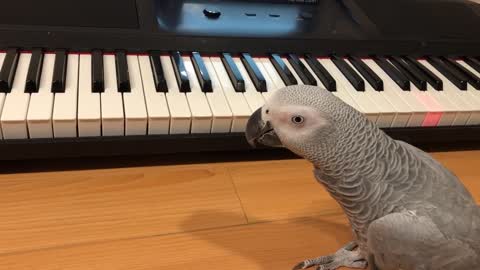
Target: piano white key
x,y
339,93
157,107
475,101
363,104
14,115
136,117
65,104
254,98
386,110
201,113
177,102
461,100
89,112
39,116
222,115
276,79
402,110
271,86
2,95
415,107
299,81
238,104
111,101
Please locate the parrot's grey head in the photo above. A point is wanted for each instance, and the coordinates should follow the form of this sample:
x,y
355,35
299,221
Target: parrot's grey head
x,y
301,118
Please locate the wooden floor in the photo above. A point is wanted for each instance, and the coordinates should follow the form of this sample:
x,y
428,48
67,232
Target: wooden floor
x,y
237,215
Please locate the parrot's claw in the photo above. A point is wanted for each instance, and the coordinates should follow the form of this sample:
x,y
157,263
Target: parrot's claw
x,y
346,257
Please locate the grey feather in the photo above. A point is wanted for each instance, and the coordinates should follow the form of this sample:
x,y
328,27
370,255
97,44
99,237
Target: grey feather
x,y
407,210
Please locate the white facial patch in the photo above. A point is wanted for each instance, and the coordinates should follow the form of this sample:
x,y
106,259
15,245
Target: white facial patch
x,y
285,120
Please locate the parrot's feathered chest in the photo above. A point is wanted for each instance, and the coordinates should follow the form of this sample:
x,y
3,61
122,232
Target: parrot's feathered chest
x,y
385,176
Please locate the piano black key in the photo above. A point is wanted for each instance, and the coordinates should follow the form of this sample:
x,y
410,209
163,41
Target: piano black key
x,y
283,70
233,73
408,72
472,79
322,74
123,79
473,62
393,72
180,72
446,70
34,71
7,73
202,72
352,76
158,75
98,83
431,78
367,73
301,69
254,73
59,71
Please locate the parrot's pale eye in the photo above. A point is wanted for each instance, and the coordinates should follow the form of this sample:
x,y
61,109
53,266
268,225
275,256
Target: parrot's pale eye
x,y
297,119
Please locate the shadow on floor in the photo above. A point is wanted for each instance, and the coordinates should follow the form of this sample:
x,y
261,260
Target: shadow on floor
x,y
278,244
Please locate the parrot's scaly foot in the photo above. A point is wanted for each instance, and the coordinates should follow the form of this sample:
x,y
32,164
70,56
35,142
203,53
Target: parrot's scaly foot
x,y
346,256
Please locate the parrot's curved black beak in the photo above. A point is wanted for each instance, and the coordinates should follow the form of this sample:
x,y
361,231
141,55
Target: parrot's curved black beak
x,y
259,132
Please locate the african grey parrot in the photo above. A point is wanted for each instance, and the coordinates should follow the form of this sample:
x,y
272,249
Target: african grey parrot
x,y
406,210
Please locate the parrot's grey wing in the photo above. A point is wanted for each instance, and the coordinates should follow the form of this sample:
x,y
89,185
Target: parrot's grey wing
x,y
408,241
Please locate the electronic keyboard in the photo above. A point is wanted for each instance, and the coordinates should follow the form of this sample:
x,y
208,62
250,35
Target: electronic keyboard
x,y
152,77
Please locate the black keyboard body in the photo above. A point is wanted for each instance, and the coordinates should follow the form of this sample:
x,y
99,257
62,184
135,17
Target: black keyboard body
x,y
325,27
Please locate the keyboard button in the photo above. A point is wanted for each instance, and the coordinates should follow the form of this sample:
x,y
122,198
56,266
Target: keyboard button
x,y
123,77
471,78
180,72
7,72
385,109
39,116
134,101
355,80
473,62
367,73
475,117
406,69
393,72
254,72
460,99
158,75
59,71
98,83
270,86
418,111
14,114
305,76
156,102
89,112
238,104
113,121
65,104
177,101
430,77
321,73
236,78
448,72
283,70
201,113
341,92
34,71
403,111
222,115
277,82
254,98
359,100
201,72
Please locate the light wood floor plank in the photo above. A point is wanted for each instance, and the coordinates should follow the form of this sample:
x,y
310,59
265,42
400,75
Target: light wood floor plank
x,y
272,190
40,210
262,246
